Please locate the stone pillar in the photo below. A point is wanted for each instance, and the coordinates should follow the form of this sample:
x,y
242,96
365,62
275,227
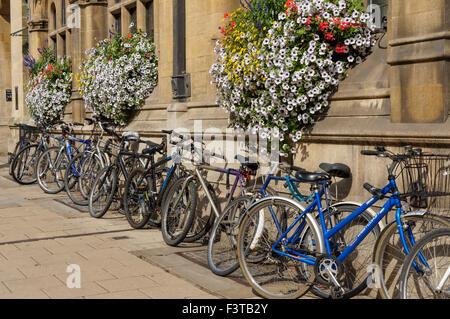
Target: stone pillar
x,y
37,26
5,77
93,27
418,56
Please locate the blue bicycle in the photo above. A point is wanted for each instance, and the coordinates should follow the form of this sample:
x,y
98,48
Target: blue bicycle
x,y
284,250
53,162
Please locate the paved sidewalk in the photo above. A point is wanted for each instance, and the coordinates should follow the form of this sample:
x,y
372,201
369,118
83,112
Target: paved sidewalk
x,y
40,237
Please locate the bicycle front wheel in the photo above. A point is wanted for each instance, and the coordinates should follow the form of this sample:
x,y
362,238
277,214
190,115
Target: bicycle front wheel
x,y
103,191
222,244
24,164
389,254
50,170
271,273
426,271
178,211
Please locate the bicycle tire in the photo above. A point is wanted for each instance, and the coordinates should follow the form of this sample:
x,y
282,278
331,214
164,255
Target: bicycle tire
x,y
102,191
222,244
60,160
204,217
177,218
389,255
72,183
17,149
427,281
295,277
135,197
30,152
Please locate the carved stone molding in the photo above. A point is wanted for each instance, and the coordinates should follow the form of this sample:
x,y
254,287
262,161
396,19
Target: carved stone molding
x,y
38,25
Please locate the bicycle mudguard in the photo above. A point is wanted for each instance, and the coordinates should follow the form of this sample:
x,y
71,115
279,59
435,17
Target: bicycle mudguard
x,y
369,210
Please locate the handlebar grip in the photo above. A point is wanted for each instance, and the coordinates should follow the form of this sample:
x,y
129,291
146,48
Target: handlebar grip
x,y
167,131
89,120
77,124
370,153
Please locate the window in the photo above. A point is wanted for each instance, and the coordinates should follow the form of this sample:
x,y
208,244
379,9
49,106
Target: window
x,y
149,19
53,13
63,44
55,47
117,23
132,12
63,12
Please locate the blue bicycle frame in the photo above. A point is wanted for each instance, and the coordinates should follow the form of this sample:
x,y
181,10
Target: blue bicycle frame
x,y
393,201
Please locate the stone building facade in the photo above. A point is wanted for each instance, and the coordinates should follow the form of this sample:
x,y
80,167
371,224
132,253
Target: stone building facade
x,y
400,95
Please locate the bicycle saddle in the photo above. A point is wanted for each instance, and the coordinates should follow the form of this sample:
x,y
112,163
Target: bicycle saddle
x,y
312,177
153,147
336,169
130,136
250,163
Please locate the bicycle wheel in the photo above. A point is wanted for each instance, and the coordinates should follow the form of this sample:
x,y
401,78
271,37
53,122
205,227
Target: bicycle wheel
x,y
24,164
271,274
204,214
354,275
389,254
426,271
137,198
50,170
222,244
178,211
103,191
19,146
80,175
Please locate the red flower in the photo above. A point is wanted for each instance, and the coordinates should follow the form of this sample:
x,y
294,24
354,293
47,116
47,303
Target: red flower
x,y
148,55
226,15
308,21
340,49
323,26
329,36
128,36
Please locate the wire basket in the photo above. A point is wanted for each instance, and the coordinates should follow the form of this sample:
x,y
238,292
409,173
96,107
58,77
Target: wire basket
x,y
28,132
424,181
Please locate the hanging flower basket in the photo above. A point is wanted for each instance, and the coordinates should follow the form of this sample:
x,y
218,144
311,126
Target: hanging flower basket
x,y
277,67
49,89
118,75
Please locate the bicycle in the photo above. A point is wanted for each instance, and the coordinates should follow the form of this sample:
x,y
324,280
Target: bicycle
x,y
425,273
203,219
53,162
424,178
108,185
222,244
23,167
27,135
85,166
146,188
304,252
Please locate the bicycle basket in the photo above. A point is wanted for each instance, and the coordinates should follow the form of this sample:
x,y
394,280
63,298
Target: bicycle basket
x,y
424,181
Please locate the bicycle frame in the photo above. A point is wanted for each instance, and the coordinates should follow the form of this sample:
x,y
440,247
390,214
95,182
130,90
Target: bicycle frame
x,y
393,201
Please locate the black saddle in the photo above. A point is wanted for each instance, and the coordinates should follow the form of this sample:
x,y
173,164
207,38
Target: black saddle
x,y
250,163
311,177
336,169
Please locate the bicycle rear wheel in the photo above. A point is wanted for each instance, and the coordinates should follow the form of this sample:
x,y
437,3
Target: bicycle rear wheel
x,y
50,170
389,254
271,274
24,164
136,198
178,211
103,191
429,280
222,244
